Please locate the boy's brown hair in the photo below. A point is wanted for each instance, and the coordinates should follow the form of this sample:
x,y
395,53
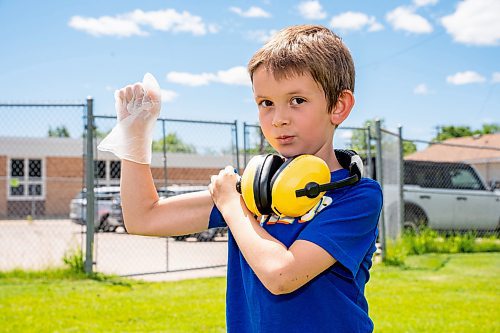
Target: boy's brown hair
x,y
309,49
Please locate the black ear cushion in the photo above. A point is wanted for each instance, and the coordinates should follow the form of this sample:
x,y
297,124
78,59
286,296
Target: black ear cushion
x,y
262,182
281,168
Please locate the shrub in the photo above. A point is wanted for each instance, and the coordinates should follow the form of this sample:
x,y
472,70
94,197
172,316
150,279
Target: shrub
x,y
431,241
74,260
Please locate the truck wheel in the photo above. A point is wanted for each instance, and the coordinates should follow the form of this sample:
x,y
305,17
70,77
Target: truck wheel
x,y
415,219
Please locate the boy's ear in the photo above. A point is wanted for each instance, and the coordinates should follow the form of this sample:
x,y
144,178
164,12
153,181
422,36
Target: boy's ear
x,y
342,109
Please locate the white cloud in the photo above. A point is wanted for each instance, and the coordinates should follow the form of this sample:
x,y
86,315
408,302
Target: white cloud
x,y
311,10
466,77
423,3
170,20
475,22
421,89
251,12
168,95
495,77
404,18
355,21
188,79
234,76
106,26
262,36
129,24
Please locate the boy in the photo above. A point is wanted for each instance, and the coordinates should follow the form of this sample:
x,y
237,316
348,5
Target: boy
x,y
284,275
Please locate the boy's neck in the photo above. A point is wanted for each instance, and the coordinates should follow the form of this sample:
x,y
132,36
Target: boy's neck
x,y
331,160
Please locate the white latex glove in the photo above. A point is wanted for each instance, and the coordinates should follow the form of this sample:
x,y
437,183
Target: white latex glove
x,y
137,108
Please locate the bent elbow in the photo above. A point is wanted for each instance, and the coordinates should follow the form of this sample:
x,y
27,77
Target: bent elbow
x,y
135,227
130,228
277,284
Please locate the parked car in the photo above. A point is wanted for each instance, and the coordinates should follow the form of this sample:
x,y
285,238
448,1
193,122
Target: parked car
x,y
116,216
103,201
449,196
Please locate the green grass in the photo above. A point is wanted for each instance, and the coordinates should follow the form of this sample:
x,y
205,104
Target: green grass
x,y
67,302
431,293
437,293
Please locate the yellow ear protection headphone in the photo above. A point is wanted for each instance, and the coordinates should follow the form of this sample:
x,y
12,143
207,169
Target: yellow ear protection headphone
x,y
292,187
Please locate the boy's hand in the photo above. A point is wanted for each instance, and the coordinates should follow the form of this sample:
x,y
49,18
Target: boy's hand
x,y
223,189
137,108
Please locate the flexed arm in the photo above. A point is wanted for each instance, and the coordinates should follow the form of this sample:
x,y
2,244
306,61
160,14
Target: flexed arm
x,y
138,107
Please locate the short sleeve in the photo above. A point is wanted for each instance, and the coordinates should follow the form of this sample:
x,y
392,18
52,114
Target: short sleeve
x,y
347,229
216,220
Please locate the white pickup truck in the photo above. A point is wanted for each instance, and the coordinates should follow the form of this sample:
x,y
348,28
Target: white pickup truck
x,y
449,196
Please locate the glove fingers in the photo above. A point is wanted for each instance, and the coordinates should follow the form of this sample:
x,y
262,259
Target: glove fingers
x,y
120,105
152,88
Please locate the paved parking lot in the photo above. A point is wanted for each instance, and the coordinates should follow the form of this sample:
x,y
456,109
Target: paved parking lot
x,y
42,243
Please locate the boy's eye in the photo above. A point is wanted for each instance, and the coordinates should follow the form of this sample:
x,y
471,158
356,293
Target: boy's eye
x,y
266,103
297,100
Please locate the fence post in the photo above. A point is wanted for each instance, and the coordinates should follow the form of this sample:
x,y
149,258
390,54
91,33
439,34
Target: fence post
x,y
380,179
237,148
401,179
369,166
164,148
89,166
245,144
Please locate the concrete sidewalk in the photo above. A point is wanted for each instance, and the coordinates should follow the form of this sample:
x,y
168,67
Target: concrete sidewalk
x,y
182,275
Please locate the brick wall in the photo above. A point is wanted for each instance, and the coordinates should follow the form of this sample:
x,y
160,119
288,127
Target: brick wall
x,y
64,179
198,176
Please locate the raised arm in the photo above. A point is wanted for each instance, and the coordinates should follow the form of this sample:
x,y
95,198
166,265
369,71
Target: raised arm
x,y
137,108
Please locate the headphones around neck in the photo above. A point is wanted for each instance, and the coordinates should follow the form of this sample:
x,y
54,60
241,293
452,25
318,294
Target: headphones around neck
x,y
293,187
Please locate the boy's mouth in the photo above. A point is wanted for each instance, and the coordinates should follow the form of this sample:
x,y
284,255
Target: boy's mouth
x,y
284,139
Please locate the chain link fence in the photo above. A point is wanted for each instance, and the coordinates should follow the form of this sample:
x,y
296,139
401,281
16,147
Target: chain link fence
x,y
44,173
185,154
41,170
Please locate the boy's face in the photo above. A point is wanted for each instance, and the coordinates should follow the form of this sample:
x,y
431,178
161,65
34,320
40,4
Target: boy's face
x,y
293,114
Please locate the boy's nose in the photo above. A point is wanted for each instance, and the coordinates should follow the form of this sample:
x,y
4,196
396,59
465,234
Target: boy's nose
x,y
280,118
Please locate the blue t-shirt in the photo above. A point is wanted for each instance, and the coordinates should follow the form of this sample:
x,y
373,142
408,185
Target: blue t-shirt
x,y
344,224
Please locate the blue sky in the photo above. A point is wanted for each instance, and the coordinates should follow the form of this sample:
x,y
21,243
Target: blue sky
x,y
419,63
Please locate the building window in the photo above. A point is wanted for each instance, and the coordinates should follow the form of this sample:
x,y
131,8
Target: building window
x,y
114,169
25,179
100,169
107,173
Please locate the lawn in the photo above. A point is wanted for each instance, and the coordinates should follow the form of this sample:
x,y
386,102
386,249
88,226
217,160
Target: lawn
x,y
433,293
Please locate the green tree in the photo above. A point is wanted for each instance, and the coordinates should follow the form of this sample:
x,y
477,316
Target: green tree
x,y
58,132
173,144
409,147
359,137
491,128
448,132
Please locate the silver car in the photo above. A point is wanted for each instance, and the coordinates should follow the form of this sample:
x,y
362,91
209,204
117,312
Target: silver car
x,y
103,201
